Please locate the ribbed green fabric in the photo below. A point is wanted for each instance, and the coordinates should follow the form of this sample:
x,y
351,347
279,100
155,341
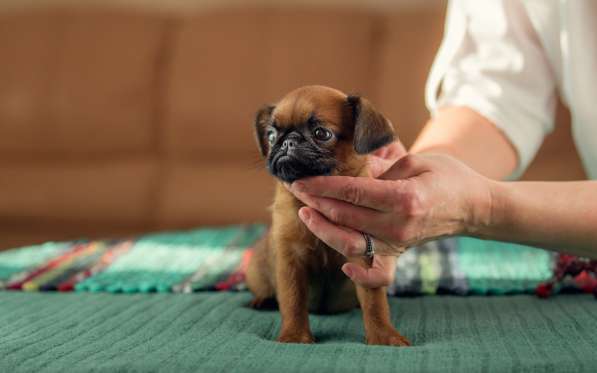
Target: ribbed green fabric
x,y
215,332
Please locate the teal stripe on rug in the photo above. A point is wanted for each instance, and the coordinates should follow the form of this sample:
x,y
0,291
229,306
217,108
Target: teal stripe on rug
x,y
158,262
26,258
222,263
492,267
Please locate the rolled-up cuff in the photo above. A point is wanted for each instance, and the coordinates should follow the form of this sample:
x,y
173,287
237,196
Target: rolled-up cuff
x,y
525,139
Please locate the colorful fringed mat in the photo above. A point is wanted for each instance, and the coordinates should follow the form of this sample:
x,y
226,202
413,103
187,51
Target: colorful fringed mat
x,y
216,259
202,259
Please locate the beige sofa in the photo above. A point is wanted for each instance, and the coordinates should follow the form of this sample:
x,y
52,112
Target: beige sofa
x,y
127,116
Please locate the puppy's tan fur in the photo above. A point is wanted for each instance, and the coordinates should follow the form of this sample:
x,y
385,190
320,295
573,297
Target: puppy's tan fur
x,y
293,265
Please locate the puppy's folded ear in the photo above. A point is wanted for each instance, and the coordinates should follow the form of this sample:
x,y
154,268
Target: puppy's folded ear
x,y
371,129
262,120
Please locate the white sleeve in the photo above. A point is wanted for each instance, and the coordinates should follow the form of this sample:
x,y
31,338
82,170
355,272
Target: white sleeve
x,y
491,61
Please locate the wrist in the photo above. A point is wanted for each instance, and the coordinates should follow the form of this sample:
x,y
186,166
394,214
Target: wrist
x,y
490,213
486,209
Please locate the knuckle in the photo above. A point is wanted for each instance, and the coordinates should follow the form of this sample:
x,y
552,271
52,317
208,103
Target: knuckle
x,y
315,203
412,204
401,234
352,194
395,195
333,214
386,279
350,248
336,215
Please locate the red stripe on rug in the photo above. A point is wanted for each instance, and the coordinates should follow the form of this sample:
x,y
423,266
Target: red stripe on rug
x,y
54,263
238,276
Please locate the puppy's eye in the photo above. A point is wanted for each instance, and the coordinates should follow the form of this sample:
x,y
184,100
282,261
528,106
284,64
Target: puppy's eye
x,y
322,134
271,134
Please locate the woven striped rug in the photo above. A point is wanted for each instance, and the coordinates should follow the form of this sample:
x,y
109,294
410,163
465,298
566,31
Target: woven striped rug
x,y
217,258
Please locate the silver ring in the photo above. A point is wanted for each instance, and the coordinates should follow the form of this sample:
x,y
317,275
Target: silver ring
x,y
369,249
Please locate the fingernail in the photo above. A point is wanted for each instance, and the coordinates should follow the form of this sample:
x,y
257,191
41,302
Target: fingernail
x,y
298,186
304,214
347,271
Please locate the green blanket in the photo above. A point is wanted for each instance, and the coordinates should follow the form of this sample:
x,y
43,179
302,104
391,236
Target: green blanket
x,y
215,332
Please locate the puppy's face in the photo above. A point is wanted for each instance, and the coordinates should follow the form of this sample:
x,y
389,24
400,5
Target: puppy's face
x,y
317,130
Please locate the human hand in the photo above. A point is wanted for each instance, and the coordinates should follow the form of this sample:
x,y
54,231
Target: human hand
x,y
383,158
383,268
421,197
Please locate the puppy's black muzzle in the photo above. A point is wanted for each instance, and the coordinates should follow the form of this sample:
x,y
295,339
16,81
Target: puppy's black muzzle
x,y
293,158
290,144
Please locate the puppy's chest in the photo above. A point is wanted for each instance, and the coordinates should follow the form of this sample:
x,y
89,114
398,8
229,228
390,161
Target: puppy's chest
x,y
294,242
325,258
314,255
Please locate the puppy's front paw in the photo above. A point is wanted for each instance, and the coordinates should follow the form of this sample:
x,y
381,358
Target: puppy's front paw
x,y
256,303
263,303
295,336
388,338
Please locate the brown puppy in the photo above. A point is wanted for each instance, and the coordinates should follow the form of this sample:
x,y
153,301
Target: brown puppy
x,y
315,130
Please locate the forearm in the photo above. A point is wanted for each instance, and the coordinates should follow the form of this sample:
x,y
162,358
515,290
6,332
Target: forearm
x,y
556,215
471,138
560,216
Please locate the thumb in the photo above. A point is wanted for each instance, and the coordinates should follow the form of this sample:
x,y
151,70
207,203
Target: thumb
x,y
406,167
391,152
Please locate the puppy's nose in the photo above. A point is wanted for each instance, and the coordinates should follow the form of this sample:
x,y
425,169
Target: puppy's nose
x,y
289,144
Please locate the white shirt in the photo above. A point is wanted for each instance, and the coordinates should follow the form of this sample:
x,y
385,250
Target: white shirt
x,y
509,59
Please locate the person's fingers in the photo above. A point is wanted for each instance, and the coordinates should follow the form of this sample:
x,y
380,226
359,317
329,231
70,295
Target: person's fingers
x,y
382,159
381,273
380,153
346,241
382,248
392,151
361,219
378,166
361,191
406,167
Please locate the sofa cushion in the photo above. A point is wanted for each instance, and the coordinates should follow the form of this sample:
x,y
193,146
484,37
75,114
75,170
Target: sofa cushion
x,y
71,192
220,193
76,81
226,64
406,53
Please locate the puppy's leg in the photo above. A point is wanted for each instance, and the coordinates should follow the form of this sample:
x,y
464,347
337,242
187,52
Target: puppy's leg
x,y
376,316
340,294
258,277
292,287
